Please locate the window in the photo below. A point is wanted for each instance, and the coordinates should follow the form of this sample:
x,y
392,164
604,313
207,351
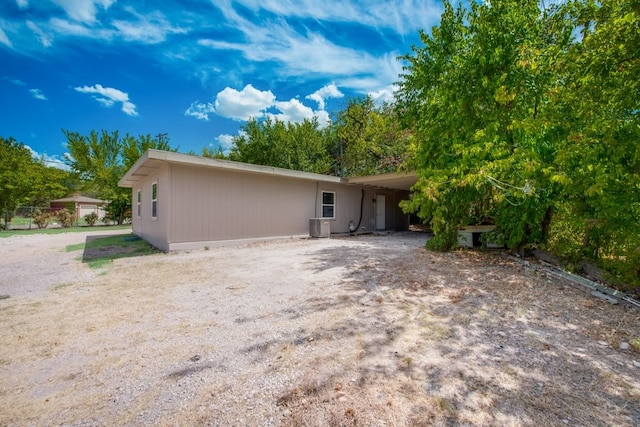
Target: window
x,y
328,204
154,200
138,204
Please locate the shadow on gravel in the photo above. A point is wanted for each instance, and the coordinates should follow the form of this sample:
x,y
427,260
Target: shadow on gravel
x,y
464,338
102,249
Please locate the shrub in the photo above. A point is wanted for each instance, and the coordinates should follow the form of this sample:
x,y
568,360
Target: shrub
x,y
65,218
91,218
106,220
41,219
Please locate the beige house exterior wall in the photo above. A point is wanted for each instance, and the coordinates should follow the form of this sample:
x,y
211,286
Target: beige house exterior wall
x,y
212,205
207,202
154,231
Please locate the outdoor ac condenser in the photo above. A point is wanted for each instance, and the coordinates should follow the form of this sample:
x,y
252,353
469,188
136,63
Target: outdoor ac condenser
x,y
319,227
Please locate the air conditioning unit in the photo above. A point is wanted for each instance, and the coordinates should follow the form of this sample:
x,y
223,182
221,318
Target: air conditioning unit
x,y
319,227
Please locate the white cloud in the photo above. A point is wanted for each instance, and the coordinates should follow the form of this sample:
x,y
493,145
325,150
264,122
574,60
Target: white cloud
x,y
226,142
402,16
37,94
148,28
299,55
306,54
383,95
45,39
4,39
291,111
51,161
323,118
244,104
65,27
108,96
22,4
328,91
84,11
200,110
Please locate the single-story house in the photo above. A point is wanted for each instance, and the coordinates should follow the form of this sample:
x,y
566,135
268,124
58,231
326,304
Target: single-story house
x,y
82,205
182,201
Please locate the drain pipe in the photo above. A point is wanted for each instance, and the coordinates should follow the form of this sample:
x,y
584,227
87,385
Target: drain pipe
x,y
353,229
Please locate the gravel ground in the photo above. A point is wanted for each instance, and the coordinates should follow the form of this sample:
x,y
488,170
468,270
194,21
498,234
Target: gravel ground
x,y
372,330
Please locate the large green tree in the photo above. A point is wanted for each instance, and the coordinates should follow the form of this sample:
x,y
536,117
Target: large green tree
x,y
475,92
367,139
529,117
27,181
297,146
16,165
596,110
101,159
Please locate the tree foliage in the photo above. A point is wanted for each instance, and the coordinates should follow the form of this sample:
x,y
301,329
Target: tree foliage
x,y
362,139
99,160
367,139
27,181
297,146
17,180
528,117
475,91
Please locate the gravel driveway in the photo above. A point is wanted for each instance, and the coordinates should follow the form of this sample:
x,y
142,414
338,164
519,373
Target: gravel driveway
x,y
372,330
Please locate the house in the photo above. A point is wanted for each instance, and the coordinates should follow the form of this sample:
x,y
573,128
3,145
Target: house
x,y
182,201
82,205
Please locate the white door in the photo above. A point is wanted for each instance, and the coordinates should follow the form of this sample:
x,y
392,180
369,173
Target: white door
x,y
380,218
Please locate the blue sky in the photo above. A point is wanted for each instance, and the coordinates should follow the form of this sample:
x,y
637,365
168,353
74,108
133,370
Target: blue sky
x,y
194,69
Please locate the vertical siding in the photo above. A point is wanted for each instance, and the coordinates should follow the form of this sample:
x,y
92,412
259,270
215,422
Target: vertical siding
x,y
215,204
155,231
199,204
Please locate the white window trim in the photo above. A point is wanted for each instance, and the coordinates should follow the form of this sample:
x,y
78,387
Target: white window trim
x,y
155,183
322,204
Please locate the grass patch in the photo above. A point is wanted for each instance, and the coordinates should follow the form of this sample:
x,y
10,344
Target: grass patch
x,y
99,251
10,233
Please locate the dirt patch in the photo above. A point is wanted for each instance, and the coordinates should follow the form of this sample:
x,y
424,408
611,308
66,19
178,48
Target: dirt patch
x,y
358,331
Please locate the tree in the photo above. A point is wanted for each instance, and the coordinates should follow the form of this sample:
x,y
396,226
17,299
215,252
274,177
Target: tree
x,y
16,163
367,139
133,148
100,160
475,91
297,146
26,181
213,154
596,111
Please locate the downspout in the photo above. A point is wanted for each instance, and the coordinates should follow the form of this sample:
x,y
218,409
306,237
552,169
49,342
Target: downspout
x,y
361,206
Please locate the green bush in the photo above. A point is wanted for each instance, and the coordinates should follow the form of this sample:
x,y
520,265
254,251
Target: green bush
x,y
65,218
91,218
41,219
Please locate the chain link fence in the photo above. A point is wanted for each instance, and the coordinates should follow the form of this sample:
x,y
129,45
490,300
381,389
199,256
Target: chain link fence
x,y
34,217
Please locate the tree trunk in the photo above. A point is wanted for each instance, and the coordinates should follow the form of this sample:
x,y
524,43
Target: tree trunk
x,y
546,224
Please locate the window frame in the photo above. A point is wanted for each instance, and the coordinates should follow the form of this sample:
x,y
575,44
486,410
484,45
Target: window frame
x,y
332,205
154,200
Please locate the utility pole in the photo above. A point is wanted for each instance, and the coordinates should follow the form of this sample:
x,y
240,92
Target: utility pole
x,y
160,136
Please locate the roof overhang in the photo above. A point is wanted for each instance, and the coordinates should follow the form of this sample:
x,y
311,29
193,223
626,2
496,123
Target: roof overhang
x,y
152,160
393,180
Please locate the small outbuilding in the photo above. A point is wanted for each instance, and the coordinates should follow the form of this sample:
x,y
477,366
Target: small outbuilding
x,y
182,201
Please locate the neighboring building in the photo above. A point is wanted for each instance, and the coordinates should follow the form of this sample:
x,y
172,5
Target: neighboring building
x,y
83,205
186,202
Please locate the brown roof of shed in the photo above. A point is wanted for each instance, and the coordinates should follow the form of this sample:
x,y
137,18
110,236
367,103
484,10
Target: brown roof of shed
x,y
79,199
